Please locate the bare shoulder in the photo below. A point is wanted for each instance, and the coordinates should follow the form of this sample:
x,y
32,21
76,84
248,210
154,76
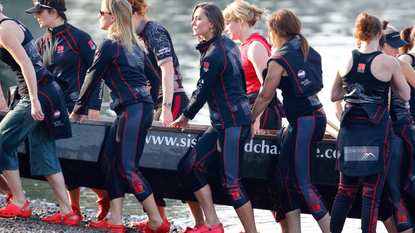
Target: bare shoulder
x,y
257,47
8,29
406,57
387,61
345,63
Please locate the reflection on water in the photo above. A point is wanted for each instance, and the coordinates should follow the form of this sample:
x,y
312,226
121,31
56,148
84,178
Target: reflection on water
x,y
327,24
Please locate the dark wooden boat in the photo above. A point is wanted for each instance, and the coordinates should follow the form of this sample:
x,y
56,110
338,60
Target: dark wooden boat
x,y
164,149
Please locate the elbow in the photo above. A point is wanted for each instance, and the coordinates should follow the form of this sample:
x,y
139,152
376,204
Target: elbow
x,y
406,97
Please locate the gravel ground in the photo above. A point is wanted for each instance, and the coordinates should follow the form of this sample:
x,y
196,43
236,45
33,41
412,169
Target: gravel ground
x,y
42,209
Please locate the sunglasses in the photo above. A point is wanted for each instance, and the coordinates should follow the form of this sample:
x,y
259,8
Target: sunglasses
x,y
102,13
39,5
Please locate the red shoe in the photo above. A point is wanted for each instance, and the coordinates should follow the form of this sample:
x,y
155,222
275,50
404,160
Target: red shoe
x,y
57,218
104,207
78,212
187,229
140,225
203,229
11,211
164,228
9,198
107,226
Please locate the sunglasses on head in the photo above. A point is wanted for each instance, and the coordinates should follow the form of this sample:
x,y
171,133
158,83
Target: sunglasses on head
x,y
40,5
102,13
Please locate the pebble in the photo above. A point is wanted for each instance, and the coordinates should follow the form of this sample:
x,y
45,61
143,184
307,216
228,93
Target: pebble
x,y
42,209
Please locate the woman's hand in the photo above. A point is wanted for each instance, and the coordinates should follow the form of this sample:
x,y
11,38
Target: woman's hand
x,y
36,110
166,117
80,117
93,114
181,122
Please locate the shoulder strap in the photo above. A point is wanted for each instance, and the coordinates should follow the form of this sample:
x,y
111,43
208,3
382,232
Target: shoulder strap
x,y
6,19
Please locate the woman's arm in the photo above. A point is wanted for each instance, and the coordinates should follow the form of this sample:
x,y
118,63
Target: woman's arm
x,y
3,103
258,55
167,80
408,72
10,39
337,91
272,81
399,85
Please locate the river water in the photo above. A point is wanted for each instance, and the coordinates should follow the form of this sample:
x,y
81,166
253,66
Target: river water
x,y
327,24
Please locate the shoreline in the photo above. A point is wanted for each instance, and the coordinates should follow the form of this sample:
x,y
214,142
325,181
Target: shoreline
x,y
44,209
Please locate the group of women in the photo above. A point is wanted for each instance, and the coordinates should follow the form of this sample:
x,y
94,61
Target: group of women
x,y
138,64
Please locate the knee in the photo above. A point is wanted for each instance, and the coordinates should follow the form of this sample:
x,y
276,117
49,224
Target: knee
x,y
187,166
348,190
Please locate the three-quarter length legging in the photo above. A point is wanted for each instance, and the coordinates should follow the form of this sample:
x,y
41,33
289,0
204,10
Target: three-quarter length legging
x,y
225,146
123,150
294,175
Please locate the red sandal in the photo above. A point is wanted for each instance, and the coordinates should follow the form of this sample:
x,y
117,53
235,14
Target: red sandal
x,y
164,228
9,198
205,229
57,218
11,211
107,226
104,207
140,225
78,212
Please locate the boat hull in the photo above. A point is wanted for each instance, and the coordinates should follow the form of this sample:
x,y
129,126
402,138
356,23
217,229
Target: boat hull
x,y
164,148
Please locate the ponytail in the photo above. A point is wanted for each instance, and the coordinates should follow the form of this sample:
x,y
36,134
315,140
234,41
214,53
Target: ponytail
x,y
407,36
305,48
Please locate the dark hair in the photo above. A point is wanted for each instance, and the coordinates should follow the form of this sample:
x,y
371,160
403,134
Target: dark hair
x,y
214,15
367,26
408,35
56,2
286,24
140,6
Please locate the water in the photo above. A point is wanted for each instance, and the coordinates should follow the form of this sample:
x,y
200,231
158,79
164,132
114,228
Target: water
x,y
327,24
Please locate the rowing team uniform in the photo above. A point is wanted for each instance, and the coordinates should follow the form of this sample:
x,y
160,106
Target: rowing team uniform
x,y
160,50
19,124
307,126
68,52
126,74
363,143
222,85
402,150
272,115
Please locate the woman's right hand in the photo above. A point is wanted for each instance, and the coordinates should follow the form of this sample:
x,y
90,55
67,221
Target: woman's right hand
x,y
36,111
77,116
181,122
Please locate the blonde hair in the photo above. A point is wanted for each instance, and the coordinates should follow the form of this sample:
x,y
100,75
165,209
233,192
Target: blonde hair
x,y
1,8
244,11
122,28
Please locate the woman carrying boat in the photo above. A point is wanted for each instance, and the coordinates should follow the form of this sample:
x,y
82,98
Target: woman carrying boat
x,y
295,68
408,55
240,20
122,63
68,52
222,85
172,98
36,109
363,80
398,217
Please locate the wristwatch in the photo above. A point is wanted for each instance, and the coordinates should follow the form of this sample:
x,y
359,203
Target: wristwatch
x,y
168,104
